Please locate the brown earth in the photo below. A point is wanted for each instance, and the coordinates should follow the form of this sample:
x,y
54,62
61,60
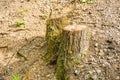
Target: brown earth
x,y
103,17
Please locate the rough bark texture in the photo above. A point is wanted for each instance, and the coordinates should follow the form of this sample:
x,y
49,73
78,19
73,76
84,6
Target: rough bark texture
x,y
73,48
53,30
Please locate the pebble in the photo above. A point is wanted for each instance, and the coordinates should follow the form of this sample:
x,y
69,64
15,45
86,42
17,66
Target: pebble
x,y
94,77
117,78
21,1
101,52
96,44
98,71
105,50
76,72
48,75
96,49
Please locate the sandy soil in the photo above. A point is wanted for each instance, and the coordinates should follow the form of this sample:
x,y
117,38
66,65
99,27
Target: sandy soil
x,y
103,17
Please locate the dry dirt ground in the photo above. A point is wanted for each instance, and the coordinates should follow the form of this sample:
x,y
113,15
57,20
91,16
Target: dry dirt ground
x,y
103,17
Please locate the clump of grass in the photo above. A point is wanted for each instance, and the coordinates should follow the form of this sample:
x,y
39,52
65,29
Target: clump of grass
x,y
23,10
19,22
87,1
15,77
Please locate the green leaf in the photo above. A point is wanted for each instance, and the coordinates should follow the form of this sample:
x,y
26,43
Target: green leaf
x,y
15,77
19,22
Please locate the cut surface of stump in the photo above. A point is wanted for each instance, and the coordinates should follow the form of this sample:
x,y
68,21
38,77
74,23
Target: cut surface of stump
x,y
54,28
73,48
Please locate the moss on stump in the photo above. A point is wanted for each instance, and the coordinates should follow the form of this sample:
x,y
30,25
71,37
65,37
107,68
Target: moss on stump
x,y
54,28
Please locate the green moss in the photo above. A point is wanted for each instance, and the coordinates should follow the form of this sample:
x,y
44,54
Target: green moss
x,y
84,53
88,36
23,10
54,29
53,35
60,71
87,1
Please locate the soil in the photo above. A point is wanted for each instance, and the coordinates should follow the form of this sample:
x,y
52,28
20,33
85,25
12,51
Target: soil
x,y
22,48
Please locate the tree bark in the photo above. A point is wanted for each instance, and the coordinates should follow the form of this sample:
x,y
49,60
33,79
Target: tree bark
x,y
73,48
54,28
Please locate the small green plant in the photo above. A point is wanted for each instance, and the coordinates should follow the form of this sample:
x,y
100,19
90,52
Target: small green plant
x,y
15,77
23,10
89,1
19,22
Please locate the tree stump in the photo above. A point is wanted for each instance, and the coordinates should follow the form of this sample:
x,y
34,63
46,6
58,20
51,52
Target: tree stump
x,y
54,28
73,48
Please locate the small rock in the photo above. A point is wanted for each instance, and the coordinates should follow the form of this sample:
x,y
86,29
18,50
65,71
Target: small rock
x,y
96,45
105,50
101,53
94,77
48,75
76,72
96,49
84,8
21,1
117,78
98,71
